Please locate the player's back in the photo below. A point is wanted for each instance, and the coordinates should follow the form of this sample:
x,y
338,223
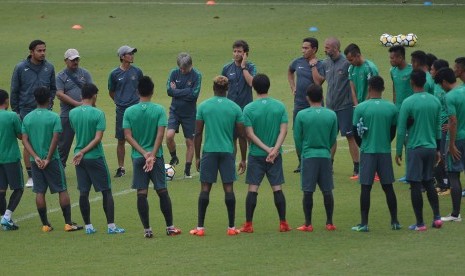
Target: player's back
x,y
86,121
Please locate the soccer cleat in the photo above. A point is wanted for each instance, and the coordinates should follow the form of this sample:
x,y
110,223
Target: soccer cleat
x,y
8,225
416,227
187,175
305,228
247,227
173,231
297,170
47,228
437,223
197,232
443,191
360,228
29,183
449,217
90,231
354,176
115,230
120,172
396,226
284,227
330,227
233,232
148,234
72,227
174,161
403,179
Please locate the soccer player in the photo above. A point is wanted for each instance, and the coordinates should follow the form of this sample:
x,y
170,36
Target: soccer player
x,y
144,126
265,121
33,72
420,61
183,86
41,129
315,132
459,69
375,122
88,122
11,172
360,72
69,83
240,73
338,97
421,113
220,117
299,76
456,151
122,86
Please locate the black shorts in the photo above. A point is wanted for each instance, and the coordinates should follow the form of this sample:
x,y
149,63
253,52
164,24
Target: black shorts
x,y
212,162
371,163
187,123
53,177
141,179
314,171
344,120
257,167
119,131
93,172
456,165
420,164
11,174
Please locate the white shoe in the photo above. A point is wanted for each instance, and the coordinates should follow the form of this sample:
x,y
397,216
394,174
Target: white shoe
x,y
449,217
29,183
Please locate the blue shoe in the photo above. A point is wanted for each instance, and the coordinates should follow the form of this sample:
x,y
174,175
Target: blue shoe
x,y
417,227
115,230
396,226
8,225
90,231
403,179
360,228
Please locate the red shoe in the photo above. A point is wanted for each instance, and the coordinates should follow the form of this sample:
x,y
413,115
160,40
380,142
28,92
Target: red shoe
x,y
197,232
376,177
284,227
304,228
330,227
247,228
233,232
173,231
354,176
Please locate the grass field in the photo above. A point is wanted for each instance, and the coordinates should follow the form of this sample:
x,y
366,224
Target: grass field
x,y
274,30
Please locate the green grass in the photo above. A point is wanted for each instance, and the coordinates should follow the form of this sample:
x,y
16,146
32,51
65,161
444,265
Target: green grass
x,y
274,32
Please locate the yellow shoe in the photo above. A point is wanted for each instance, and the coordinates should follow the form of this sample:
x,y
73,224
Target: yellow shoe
x,y
72,227
47,228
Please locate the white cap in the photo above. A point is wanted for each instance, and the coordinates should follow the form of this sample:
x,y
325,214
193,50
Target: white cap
x,y
126,50
71,54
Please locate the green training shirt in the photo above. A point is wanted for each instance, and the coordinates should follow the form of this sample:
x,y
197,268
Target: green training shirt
x,y
40,125
143,119
378,116
456,107
315,132
265,116
401,80
425,109
220,116
86,120
359,75
441,95
9,130
429,85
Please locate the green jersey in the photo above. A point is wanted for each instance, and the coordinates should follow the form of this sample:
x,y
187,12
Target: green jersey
x,y
401,80
378,116
456,107
315,132
429,85
40,125
265,116
220,116
86,120
143,119
359,76
425,110
441,95
11,128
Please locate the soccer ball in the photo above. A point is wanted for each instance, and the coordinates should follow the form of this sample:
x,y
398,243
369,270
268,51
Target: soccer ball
x,y
169,172
410,40
396,40
385,40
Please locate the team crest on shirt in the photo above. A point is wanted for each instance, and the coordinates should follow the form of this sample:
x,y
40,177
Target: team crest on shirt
x,y
220,100
133,77
264,101
189,83
376,102
318,110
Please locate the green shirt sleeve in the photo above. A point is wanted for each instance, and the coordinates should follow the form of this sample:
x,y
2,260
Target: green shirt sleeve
x,y
401,128
298,134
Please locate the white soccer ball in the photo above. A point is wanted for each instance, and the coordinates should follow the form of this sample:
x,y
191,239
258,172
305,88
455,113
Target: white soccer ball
x,y
410,40
385,40
170,171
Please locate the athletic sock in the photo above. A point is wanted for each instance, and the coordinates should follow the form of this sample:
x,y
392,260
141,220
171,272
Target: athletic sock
x,y
365,200
328,200
29,172
455,193
204,199
280,203
111,225
143,209
15,198
417,201
8,214
356,167
2,203
432,198
250,203
187,169
307,203
84,206
108,206
67,213
43,215
173,153
89,226
165,207
230,201
391,201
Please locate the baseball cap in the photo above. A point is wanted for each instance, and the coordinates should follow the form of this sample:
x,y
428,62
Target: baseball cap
x,y
125,50
71,54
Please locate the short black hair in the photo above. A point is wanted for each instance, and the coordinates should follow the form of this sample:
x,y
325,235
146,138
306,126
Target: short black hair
x,y
88,90
241,43
418,77
42,95
398,49
440,63
445,74
460,61
313,42
430,59
261,83
145,86
315,93
3,96
419,57
34,44
220,85
352,49
376,83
